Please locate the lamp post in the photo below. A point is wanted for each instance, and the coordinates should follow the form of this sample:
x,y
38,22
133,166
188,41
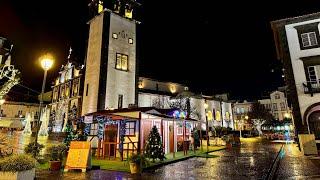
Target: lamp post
x,y
46,64
205,110
241,123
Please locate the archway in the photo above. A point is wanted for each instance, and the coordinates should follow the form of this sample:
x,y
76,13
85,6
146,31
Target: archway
x,y
314,123
312,119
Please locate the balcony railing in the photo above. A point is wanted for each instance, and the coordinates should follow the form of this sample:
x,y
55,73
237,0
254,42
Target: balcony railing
x,y
311,87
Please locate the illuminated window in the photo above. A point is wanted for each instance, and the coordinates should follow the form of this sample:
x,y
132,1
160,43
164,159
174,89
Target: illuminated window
x,y
122,62
130,128
227,116
218,117
130,41
209,116
309,39
114,35
140,85
94,129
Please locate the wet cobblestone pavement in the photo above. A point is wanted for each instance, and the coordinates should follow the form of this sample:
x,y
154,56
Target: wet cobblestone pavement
x,y
295,165
251,161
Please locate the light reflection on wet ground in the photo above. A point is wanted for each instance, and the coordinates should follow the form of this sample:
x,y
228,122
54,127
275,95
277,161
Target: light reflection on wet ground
x,y
250,161
295,165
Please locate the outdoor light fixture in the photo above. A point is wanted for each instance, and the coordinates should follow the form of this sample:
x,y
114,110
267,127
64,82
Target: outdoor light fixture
x,y
2,101
287,115
205,105
46,62
173,88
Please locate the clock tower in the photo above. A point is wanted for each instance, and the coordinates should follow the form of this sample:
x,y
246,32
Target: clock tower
x,y
111,70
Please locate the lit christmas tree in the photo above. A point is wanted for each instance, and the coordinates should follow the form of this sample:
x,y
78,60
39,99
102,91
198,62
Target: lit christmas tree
x,y
70,134
154,149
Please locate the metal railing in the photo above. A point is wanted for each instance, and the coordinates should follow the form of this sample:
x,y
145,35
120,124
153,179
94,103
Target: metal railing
x,y
311,87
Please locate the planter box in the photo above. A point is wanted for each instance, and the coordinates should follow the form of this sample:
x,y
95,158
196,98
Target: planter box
x,y
55,165
20,175
134,168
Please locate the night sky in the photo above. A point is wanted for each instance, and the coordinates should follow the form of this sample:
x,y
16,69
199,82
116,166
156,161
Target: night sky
x,y
212,47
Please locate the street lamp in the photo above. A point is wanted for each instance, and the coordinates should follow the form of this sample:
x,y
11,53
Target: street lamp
x,y
205,109
46,64
241,123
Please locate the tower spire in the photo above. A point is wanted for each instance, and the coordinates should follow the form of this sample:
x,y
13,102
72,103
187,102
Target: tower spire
x,y
70,51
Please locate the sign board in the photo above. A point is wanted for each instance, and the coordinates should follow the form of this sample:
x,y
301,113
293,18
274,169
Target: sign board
x,y
88,119
308,144
79,156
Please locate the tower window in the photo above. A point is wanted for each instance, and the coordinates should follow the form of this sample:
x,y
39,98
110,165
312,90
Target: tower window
x,y
120,101
87,90
122,62
114,35
130,41
309,39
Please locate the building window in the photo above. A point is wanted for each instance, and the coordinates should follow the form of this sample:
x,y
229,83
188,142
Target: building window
x,y
309,39
282,106
130,128
238,110
122,62
120,101
313,77
87,89
227,116
94,129
242,110
276,115
130,40
277,96
218,117
275,106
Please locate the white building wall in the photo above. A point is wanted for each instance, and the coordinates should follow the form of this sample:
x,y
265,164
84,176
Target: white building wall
x,y
121,82
92,73
305,100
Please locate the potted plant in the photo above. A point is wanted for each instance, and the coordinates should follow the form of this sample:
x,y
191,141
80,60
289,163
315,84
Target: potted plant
x,y
56,154
34,149
20,166
137,162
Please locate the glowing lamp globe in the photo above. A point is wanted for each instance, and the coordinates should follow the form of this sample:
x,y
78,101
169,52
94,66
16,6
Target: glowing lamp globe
x,y
46,62
205,105
2,101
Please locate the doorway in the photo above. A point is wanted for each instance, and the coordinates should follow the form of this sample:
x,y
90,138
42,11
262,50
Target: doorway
x,y
110,135
314,124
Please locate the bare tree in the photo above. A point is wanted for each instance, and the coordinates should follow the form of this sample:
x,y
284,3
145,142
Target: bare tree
x,y
258,116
